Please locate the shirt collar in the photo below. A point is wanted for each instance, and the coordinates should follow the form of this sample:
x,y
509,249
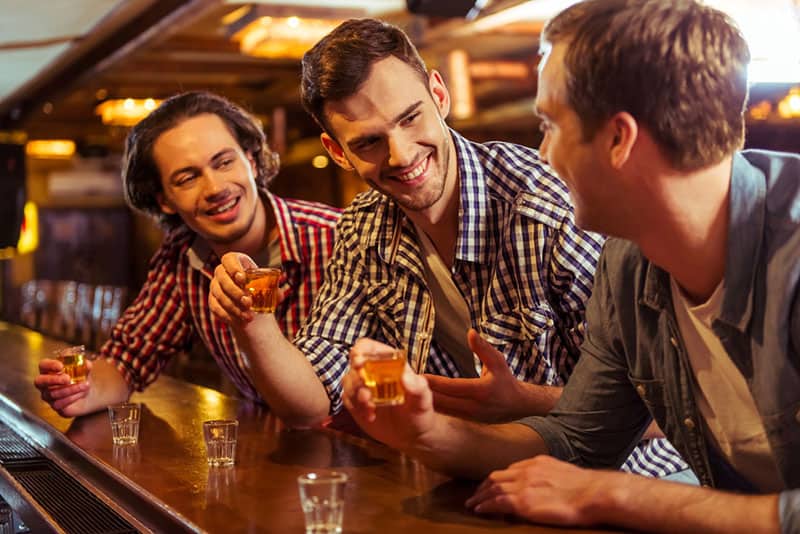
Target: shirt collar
x,y
202,258
288,230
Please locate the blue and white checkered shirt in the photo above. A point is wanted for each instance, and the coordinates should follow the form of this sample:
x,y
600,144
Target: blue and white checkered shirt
x,y
523,267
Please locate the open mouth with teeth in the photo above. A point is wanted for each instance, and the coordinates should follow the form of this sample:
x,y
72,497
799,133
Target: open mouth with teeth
x,y
415,173
223,208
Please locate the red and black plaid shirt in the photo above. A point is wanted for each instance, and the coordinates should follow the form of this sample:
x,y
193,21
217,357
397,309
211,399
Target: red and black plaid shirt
x,y
172,306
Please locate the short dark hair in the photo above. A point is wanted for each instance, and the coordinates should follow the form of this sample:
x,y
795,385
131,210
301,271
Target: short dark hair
x,y
678,67
140,175
340,62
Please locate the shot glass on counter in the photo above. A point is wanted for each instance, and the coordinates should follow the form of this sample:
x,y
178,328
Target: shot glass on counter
x,y
125,418
322,500
220,437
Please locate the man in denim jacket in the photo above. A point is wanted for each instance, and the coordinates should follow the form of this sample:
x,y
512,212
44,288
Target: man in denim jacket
x,y
695,317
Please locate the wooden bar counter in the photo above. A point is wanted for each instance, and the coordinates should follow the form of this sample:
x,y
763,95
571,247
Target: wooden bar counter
x,y
166,472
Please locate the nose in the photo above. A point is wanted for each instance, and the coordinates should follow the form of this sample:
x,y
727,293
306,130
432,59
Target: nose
x,y
213,186
401,150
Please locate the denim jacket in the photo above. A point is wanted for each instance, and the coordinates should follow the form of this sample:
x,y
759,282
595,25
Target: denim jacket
x,y
634,364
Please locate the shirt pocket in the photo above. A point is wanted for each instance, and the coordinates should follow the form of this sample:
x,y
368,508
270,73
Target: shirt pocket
x,y
523,336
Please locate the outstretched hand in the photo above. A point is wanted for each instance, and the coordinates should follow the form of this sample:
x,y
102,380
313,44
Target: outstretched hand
x,y
495,396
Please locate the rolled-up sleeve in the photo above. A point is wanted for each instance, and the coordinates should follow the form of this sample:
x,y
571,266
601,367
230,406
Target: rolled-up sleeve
x,y
599,418
789,511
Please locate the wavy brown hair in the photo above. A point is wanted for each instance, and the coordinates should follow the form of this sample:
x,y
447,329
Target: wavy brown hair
x,y
341,61
140,175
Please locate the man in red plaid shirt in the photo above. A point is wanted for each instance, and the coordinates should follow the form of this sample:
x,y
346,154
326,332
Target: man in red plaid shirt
x,y
200,165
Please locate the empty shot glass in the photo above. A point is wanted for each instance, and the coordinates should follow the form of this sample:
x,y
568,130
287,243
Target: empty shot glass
x,y
74,361
125,422
220,436
322,500
381,373
262,286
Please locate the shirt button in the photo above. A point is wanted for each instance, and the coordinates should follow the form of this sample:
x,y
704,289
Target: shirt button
x,y
640,390
688,423
674,342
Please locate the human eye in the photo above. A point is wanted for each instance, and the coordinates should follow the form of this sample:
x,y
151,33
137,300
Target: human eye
x,y
185,178
410,118
365,143
224,163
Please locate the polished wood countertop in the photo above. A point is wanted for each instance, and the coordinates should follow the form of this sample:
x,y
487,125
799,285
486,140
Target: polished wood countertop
x,y
387,492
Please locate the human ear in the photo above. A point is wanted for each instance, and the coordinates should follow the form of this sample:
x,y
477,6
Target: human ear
x,y
164,204
439,92
623,133
336,152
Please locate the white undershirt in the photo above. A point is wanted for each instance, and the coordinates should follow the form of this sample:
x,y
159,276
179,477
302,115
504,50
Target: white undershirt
x,y
452,313
722,395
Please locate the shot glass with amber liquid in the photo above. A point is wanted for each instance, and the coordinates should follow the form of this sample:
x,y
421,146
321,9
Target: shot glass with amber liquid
x,y
74,361
262,286
381,374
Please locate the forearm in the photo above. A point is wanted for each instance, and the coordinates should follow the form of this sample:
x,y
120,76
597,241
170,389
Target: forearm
x,y
473,450
535,400
108,386
282,374
656,506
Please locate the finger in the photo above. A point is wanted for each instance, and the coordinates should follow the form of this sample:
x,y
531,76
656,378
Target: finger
x,y
62,392
454,387
217,310
491,358
230,286
50,366
365,345
234,306
417,392
47,381
357,400
62,405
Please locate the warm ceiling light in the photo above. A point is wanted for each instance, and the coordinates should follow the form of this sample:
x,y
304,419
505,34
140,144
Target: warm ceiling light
x,y
50,148
789,106
125,112
320,161
282,37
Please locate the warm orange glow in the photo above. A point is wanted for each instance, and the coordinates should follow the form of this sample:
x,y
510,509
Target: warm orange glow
x,y
761,110
499,69
29,233
125,112
50,148
463,103
282,37
789,106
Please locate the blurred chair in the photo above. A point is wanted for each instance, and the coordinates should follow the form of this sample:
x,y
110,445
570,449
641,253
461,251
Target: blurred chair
x,y
66,298
29,313
108,305
84,325
45,303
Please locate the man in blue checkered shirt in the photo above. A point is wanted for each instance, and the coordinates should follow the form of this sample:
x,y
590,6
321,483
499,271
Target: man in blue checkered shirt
x,y
454,236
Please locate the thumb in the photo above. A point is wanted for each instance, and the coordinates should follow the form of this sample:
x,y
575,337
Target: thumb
x,y
492,359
